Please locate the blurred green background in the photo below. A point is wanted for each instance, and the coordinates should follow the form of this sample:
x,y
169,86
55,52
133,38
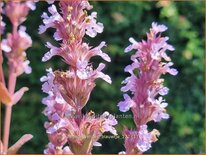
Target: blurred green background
x,y
184,131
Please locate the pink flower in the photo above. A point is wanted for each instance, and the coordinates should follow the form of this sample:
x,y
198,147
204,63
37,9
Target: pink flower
x,y
127,104
151,61
69,91
137,142
159,112
18,41
15,46
82,136
158,28
92,28
53,21
109,122
17,11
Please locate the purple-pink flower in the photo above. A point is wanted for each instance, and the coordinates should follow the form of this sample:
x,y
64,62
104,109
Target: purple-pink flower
x,y
18,11
146,88
68,129
17,42
14,47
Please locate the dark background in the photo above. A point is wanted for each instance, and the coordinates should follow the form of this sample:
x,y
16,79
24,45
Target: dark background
x,y
184,131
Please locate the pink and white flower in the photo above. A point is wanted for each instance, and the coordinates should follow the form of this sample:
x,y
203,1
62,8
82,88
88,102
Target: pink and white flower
x,y
18,11
14,45
69,91
147,89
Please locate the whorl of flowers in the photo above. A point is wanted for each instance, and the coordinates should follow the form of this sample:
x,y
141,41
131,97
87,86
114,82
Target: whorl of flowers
x,y
146,88
69,130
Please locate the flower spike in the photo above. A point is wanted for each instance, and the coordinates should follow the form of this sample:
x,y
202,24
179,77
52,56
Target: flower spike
x,y
147,89
69,130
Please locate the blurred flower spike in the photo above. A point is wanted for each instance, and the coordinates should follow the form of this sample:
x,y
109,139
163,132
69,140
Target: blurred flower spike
x,y
14,47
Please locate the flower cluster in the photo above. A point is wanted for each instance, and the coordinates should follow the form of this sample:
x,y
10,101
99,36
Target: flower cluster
x,y
18,41
68,129
14,47
146,87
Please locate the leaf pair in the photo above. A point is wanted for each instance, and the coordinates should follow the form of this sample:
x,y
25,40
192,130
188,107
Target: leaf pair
x,y
14,148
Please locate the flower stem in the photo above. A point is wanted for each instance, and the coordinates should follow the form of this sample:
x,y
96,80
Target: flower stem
x,y
11,88
7,120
